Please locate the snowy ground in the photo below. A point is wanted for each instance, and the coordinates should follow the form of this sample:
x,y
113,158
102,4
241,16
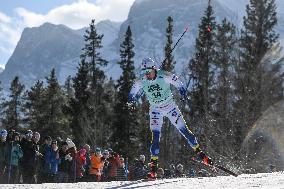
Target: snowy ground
x,y
265,180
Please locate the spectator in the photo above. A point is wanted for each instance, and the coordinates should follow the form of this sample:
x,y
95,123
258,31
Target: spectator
x,y
65,164
112,166
3,137
106,165
13,153
121,172
191,173
160,173
72,150
139,169
44,164
38,155
28,163
97,164
172,170
80,163
52,160
88,162
179,171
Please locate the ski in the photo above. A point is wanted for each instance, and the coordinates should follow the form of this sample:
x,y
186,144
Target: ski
x,y
214,166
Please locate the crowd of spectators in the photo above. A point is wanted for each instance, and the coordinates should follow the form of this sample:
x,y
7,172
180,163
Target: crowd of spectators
x,y
28,159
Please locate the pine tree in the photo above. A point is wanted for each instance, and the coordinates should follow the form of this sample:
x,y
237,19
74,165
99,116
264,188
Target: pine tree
x,y
78,108
125,124
169,59
225,61
68,89
35,107
96,102
14,106
257,38
56,122
202,73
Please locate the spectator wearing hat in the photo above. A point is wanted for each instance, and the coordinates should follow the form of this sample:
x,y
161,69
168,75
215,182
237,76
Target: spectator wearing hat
x,y
72,151
53,160
112,165
121,171
88,162
65,164
97,164
13,153
179,171
139,169
3,137
160,173
44,165
80,163
104,176
28,162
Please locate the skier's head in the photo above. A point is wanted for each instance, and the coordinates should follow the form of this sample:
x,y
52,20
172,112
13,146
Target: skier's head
x,y
148,68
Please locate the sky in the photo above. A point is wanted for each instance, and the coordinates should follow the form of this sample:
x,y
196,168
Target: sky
x,y
15,15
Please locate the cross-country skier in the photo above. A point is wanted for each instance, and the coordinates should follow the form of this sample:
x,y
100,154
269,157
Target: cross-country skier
x,y
155,83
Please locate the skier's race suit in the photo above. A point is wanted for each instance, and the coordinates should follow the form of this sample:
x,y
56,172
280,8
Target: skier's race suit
x,y
162,104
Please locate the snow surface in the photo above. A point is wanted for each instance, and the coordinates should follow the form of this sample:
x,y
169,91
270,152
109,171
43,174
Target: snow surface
x,y
245,181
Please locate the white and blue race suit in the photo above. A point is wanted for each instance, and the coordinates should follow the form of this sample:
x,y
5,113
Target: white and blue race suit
x,y
162,104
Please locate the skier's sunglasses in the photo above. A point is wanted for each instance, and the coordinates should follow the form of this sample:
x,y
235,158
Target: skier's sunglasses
x,y
146,71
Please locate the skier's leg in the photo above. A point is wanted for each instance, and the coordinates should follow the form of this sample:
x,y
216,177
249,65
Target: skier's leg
x,y
156,121
177,120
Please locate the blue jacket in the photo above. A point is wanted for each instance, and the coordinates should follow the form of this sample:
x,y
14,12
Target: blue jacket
x,y
51,162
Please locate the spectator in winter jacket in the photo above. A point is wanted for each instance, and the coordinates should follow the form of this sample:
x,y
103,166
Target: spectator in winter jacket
x,y
160,173
52,161
112,165
44,164
88,162
80,164
3,137
97,164
139,169
121,172
106,165
72,150
179,171
13,153
28,163
65,164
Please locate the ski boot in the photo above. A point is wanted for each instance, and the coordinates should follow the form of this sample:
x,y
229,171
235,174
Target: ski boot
x,y
204,158
153,168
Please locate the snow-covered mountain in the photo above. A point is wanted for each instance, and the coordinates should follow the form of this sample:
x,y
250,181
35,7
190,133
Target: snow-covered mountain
x,y
42,48
261,181
50,46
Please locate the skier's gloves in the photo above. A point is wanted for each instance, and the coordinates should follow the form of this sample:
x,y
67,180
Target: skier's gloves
x,y
131,105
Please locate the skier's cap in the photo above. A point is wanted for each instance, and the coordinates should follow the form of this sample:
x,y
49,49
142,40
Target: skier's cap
x,y
148,63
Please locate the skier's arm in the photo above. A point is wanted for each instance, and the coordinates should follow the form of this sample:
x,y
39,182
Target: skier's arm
x,y
135,92
175,81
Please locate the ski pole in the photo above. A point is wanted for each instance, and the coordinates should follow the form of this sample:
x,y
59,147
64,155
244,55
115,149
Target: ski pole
x,y
186,29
